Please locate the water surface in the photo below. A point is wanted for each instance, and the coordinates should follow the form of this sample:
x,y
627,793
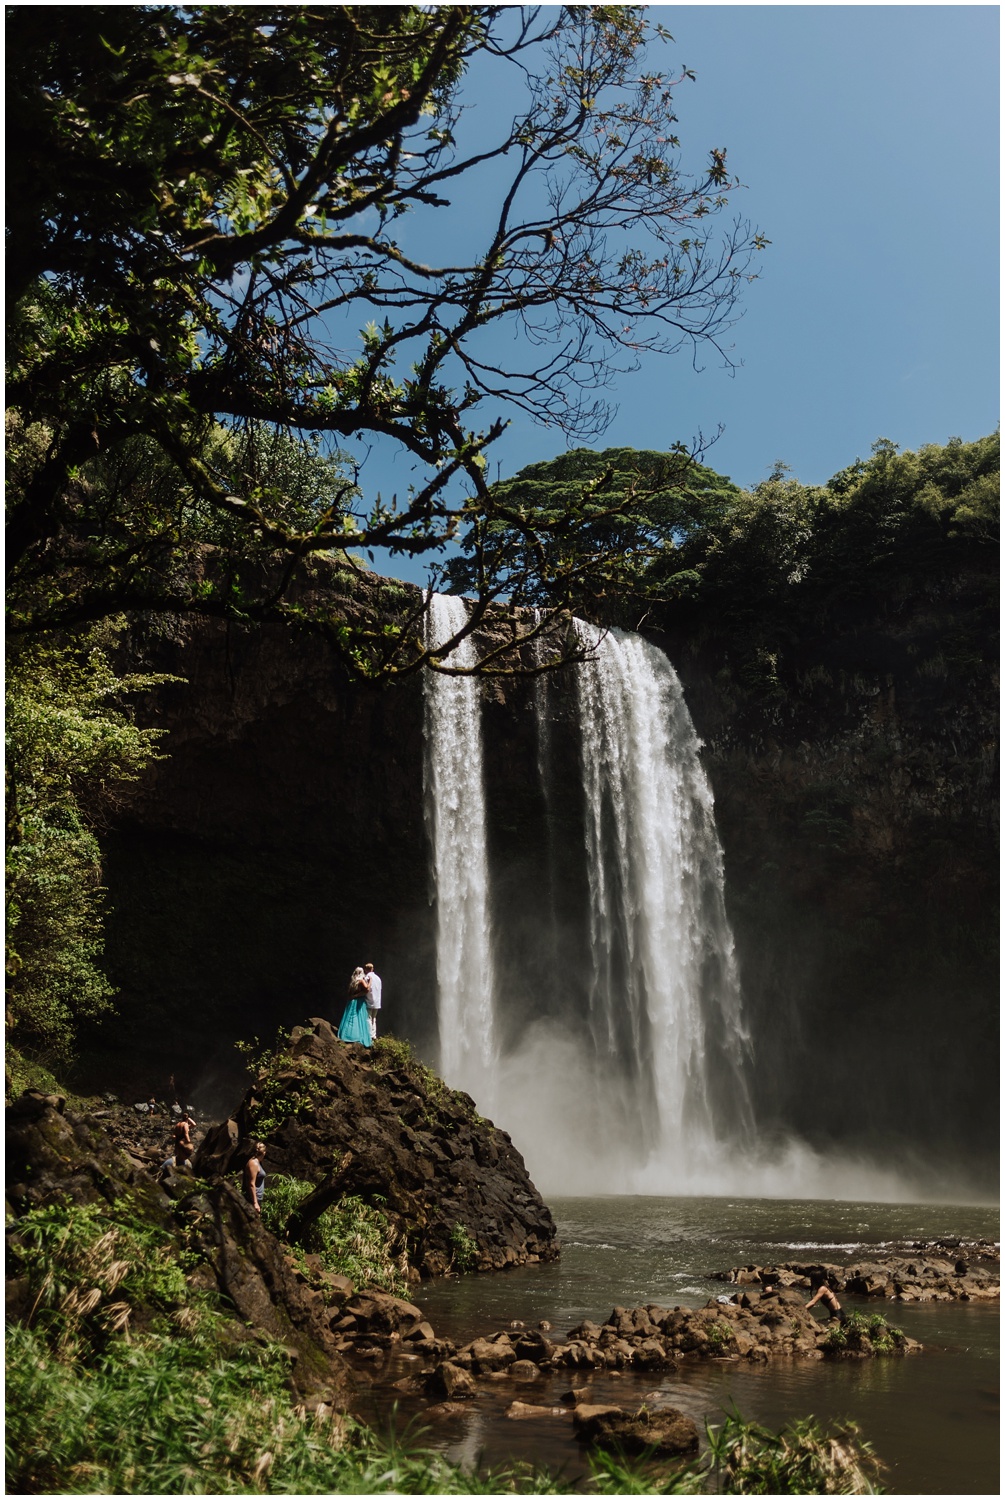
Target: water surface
x,y
933,1417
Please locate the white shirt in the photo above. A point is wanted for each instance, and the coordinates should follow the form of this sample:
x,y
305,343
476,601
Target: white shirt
x,y
373,998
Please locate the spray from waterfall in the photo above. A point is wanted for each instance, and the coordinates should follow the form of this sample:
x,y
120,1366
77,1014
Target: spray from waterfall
x,y
454,806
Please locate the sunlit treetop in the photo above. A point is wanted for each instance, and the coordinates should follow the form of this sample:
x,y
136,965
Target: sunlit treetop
x,y
216,219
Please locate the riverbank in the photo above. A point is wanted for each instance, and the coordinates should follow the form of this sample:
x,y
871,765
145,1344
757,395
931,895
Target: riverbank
x,y
160,1337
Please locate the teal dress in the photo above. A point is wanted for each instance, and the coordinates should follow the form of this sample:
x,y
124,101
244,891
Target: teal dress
x,y
355,1023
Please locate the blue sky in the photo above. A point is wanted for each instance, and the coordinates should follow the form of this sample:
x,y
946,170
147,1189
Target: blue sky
x,y
866,138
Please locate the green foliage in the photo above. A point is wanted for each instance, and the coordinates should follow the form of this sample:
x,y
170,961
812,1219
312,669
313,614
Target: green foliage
x,y
859,1334
225,241
808,550
92,1271
463,1248
21,1072
352,1238
283,1085
720,1336
803,1458
635,509
72,750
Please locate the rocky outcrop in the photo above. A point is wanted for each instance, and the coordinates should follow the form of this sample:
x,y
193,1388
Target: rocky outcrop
x,y
753,1327
970,1273
56,1155
376,1123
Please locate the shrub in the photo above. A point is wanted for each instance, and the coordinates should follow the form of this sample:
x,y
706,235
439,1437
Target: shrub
x,y
803,1458
463,1248
71,750
352,1238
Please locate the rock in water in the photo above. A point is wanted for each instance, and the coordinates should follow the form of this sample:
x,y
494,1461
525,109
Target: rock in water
x,y
665,1432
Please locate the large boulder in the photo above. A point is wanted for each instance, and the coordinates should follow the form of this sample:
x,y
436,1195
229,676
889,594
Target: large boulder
x,y
377,1124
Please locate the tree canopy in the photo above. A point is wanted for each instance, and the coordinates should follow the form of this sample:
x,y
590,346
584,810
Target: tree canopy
x,y
214,282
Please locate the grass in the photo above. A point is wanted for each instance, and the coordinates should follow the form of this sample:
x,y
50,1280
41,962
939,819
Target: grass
x,y
352,1238
803,1458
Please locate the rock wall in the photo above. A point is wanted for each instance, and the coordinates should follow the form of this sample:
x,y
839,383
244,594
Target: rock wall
x,y
855,779
282,842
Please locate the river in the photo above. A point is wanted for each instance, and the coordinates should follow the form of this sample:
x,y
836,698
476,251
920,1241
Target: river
x,y
932,1418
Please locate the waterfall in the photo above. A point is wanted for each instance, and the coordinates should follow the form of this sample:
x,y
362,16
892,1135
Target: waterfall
x,y
454,807
625,1065
664,1011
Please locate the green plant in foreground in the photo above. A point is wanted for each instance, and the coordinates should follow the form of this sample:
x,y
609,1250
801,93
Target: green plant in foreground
x,y
123,1380
803,1458
352,1238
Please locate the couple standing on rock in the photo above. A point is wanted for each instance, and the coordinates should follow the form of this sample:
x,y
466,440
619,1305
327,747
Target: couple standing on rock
x,y
359,1019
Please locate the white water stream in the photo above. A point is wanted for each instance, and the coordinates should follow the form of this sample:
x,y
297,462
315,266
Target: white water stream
x,y
455,820
665,1015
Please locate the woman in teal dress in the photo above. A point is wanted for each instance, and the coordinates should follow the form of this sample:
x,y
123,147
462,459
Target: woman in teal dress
x,y
355,1023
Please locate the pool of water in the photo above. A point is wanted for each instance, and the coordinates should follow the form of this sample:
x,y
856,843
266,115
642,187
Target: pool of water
x,y
932,1418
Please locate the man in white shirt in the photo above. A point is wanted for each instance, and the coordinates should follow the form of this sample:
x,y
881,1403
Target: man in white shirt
x,y
372,998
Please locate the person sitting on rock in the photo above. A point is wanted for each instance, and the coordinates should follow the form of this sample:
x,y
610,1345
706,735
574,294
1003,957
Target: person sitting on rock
x,y
823,1293
254,1177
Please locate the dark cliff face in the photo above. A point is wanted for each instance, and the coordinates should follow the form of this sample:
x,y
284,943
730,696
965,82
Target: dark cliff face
x,y
282,842
278,845
855,776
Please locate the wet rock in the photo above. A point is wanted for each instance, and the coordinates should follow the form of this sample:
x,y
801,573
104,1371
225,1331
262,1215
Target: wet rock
x,y
666,1432
522,1410
444,1409
897,1275
450,1381
488,1356
523,1369
534,1346
380,1312
420,1333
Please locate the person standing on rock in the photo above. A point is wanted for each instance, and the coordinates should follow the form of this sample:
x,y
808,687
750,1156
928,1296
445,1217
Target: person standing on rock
x,y
183,1139
355,1023
373,998
254,1177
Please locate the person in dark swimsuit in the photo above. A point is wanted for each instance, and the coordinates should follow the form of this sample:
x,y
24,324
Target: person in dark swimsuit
x,y
824,1294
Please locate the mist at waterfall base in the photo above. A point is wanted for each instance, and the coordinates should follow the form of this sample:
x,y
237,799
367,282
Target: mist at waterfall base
x,y
589,1000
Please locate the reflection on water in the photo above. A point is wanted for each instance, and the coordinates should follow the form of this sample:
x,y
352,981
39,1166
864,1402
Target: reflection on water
x,y
932,1418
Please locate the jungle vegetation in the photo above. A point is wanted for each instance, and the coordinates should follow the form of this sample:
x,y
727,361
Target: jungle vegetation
x,y
214,215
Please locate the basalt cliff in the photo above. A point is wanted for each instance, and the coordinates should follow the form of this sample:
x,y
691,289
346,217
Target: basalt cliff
x,y
282,841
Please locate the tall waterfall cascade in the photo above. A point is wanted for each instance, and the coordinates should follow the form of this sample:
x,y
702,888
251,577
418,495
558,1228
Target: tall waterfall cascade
x,y
664,1004
631,1076
454,805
